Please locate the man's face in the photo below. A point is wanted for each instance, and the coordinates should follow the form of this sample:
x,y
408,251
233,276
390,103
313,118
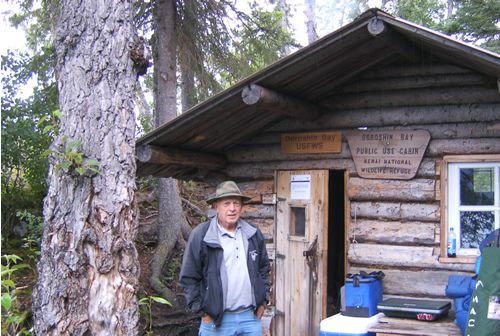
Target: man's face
x,y
228,211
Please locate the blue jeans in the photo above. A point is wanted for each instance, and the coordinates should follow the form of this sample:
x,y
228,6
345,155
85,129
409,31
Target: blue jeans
x,y
234,324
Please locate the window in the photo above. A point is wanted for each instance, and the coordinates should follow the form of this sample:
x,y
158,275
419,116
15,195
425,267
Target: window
x,y
298,221
473,200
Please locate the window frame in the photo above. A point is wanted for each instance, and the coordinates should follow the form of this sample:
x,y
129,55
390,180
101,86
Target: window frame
x,y
461,161
298,204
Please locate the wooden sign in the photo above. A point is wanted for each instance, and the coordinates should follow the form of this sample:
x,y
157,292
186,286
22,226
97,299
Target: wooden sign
x,y
388,154
316,142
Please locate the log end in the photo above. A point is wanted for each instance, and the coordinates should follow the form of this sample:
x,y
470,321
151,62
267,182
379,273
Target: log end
x,y
376,26
251,94
143,153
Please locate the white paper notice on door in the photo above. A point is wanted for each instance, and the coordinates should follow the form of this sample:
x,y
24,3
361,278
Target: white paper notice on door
x,y
300,187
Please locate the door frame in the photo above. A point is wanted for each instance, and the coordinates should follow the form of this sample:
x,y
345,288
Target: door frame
x,y
321,253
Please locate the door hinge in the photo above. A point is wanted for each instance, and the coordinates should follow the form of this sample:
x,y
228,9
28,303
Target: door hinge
x,y
278,313
270,198
279,256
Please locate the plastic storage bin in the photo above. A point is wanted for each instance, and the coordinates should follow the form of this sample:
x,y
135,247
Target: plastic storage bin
x,y
362,296
340,325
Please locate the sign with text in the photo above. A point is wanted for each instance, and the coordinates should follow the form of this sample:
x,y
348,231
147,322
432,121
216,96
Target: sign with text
x,y
300,187
388,154
314,142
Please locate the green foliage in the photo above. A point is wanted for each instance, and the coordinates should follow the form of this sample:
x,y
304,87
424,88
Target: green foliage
x,y
13,317
25,115
172,269
145,183
476,21
18,275
428,13
190,191
50,123
34,229
219,44
473,21
72,160
258,42
146,304
355,8
36,18
144,108
146,121
24,142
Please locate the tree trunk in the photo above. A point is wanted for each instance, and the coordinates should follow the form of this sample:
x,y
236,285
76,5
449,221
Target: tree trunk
x,y
144,109
284,8
449,8
188,90
171,221
186,60
312,35
89,269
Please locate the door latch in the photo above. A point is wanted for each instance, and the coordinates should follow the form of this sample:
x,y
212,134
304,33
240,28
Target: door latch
x,y
311,258
311,250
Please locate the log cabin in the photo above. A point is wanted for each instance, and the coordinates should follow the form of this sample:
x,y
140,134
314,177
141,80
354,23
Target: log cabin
x,y
360,151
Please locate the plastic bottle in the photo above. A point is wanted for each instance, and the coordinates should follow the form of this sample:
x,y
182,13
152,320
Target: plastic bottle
x,y
452,244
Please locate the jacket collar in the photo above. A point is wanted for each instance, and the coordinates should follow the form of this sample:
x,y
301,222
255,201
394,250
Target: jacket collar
x,y
211,237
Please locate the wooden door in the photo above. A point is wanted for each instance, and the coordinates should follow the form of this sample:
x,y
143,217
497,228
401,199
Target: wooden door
x,y
301,251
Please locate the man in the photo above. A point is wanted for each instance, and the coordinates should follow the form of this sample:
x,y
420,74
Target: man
x,y
225,269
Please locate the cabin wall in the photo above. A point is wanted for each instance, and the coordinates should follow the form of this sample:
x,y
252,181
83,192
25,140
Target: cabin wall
x,y
394,225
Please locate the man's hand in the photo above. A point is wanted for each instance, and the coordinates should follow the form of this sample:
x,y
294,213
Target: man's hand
x,y
207,318
259,311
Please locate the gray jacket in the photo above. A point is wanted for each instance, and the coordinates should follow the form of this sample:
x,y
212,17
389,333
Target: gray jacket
x,y
203,258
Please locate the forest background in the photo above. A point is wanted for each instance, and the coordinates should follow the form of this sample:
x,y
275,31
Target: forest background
x,y
249,36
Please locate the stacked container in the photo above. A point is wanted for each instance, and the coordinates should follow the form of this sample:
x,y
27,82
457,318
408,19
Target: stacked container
x,y
363,292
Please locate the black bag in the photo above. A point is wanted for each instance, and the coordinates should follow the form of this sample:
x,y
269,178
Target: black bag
x,y
423,310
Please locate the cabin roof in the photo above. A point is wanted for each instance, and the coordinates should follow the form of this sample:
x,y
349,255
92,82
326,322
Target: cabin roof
x,y
197,139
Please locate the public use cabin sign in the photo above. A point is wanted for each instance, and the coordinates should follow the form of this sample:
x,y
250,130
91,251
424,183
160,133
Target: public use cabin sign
x,y
311,142
388,154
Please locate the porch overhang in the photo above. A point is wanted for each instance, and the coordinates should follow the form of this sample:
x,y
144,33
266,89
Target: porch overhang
x,y
301,85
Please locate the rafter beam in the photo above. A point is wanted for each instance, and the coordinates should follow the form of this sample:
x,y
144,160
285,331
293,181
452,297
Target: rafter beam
x,y
392,39
276,102
171,156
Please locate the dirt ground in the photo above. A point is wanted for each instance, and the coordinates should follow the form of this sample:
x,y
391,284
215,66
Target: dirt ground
x,y
166,320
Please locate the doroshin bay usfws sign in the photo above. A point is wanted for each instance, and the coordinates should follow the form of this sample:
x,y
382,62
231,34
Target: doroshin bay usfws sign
x,y
311,143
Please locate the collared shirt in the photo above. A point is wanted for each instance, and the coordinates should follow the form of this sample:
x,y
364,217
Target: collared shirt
x,y
235,273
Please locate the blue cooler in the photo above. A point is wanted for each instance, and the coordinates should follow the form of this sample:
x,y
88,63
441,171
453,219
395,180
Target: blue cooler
x,y
362,294
340,325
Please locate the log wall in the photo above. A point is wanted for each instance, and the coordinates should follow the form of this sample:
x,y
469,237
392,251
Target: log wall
x,y
393,225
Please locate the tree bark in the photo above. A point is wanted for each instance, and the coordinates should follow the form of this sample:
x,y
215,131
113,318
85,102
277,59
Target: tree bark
x,y
188,92
171,220
89,269
312,35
